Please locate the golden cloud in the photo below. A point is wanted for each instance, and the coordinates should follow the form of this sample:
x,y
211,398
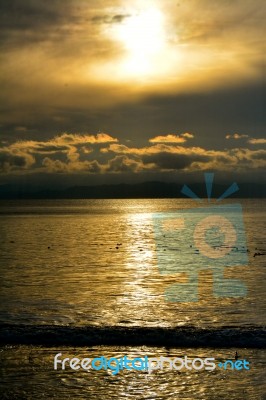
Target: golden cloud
x,y
70,153
257,141
172,138
236,136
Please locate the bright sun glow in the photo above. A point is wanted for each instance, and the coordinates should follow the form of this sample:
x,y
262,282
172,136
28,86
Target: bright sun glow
x,y
143,38
146,47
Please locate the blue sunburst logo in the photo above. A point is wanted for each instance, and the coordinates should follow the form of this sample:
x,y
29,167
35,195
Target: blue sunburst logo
x,y
202,238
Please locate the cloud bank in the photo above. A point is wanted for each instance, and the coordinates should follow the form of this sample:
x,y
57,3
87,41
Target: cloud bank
x,y
103,154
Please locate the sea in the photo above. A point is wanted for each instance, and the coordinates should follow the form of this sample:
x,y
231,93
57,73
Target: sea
x,y
138,278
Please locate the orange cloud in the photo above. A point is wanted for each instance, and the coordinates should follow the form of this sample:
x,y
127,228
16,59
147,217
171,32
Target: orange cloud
x,y
75,153
172,138
154,149
236,136
187,135
257,141
70,138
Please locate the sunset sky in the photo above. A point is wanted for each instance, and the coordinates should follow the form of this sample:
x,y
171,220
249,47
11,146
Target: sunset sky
x,y
101,91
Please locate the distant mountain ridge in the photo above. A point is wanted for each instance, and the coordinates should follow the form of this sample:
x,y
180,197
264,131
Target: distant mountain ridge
x,y
151,189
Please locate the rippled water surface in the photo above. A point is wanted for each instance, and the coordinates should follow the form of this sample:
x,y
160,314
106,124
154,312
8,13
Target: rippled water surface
x,y
33,377
95,262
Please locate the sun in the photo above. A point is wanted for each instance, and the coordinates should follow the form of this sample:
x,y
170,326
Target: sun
x,y
143,37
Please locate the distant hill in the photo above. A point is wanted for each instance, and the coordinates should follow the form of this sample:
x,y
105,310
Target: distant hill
x,y
126,191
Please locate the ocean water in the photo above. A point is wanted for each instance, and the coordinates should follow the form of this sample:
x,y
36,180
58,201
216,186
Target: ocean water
x,y
101,265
